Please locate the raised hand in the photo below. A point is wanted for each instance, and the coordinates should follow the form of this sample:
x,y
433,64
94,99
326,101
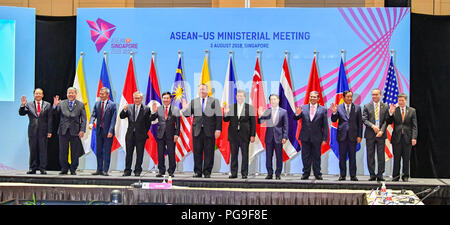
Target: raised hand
x,y
217,134
23,100
154,107
125,107
81,134
56,100
260,111
226,109
334,107
392,108
298,110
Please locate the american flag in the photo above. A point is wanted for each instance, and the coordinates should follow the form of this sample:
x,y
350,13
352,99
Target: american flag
x,y
184,142
390,96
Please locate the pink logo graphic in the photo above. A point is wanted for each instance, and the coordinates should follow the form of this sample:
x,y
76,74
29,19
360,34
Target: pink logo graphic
x,y
101,32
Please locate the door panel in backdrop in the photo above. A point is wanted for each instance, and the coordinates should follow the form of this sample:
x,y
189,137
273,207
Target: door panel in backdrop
x,y
366,35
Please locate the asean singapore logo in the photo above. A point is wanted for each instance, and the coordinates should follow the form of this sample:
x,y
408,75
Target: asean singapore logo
x,y
101,32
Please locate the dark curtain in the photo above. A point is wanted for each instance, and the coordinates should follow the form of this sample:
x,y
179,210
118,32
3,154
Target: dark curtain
x,y
430,94
55,67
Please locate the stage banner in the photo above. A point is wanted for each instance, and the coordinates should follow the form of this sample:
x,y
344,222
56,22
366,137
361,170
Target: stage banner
x,y
366,35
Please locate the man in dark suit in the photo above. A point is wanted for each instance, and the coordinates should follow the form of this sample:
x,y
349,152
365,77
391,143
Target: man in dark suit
x,y
313,135
72,126
276,134
39,129
349,133
138,124
168,132
375,114
404,135
241,131
206,127
105,113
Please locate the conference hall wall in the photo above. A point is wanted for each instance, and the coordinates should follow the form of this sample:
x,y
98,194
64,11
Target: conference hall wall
x,y
17,44
366,34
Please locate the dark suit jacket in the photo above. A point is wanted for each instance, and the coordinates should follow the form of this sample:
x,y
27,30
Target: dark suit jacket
x,y
109,116
316,130
211,118
368,119
169,127
38,126
73,120
409,125
348,126
141,125
279,130
246,122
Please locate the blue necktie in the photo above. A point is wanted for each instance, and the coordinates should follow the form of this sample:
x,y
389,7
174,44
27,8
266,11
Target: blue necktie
x,y
203,105
70,105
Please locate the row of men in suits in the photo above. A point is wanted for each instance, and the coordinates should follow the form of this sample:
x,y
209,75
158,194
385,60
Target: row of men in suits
x,y
207,125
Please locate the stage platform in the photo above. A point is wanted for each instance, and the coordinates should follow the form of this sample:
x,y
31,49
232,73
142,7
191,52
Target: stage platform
x,y
254,184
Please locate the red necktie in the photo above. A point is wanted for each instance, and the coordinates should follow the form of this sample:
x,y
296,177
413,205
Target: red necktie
x,y
165,113
39,108
101,114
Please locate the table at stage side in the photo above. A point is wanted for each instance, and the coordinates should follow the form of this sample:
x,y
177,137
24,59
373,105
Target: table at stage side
x,y
397,198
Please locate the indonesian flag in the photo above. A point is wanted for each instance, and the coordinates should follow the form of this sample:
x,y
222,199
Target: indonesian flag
x,y
228,98
127,98
257,100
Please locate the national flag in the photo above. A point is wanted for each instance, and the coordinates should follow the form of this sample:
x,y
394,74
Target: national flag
x,y
153,96
127,98
204,79
228,98
342,85
314,85
103,82
257,100
80,84
184,142
390,96
292,146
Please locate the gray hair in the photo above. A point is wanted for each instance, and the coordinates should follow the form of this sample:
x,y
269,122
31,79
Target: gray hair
x,y
105,89
314,92
376,89
240,91
138,93
73,89
38,89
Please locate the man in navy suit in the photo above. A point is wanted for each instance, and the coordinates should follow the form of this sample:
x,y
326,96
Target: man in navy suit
x,y
105,113
39,129
276,134
313,134
349,133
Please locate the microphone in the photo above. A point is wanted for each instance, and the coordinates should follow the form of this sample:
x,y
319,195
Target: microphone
x,y
139,184
395,178
428,195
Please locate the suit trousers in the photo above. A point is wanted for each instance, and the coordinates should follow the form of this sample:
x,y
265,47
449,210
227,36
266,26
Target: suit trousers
x,y
311,153
38,152
103,149
375,145
75,149
234,149
347,148
131,143
166,142
270,148
402,152
203,148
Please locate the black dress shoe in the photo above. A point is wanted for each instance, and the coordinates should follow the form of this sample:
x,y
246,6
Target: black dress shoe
x,y
137,174
305,177
396,179
268,177
63,173
341,178
319,177
380,179
31,172
232,176
126,174
171,175
244,176
278,177
105,174
405,179
73,173
197,175
372,178
97,173
353,179
159,175
43,172
207,175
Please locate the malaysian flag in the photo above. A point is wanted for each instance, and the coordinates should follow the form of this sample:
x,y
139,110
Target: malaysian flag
x,y
390,96
184,142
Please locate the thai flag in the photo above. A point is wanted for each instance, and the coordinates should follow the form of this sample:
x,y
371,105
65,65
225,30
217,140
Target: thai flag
x,y
390,96
291,147
103,82
153,96
228,98
184,142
